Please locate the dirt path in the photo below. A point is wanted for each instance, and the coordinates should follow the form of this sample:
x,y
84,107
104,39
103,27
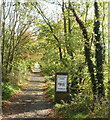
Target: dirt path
x,y
30,103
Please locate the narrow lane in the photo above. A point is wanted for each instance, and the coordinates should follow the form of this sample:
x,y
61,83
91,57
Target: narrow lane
x,y
31,102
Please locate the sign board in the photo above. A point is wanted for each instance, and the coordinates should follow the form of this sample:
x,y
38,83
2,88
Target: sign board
x,y
61,83
61,87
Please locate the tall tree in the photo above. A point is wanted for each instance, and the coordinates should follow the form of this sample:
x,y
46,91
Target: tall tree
x,y
13,30
87,52
108,94
98,53
37,6
67,29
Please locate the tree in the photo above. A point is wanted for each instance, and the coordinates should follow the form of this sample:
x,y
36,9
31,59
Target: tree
x,y
14,35
99,53
108,94
67,32
51,29
87,52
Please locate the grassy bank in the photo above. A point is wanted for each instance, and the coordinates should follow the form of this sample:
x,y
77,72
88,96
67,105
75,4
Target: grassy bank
x,y
9,90
79,107
50,88
67,110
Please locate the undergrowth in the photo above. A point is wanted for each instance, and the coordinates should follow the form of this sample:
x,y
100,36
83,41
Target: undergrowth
x,y
80,107
50,88
8,90
16,83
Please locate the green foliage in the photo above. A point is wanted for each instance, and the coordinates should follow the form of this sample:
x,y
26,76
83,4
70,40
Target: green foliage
x,y
50,90
20,50
18,46
73,110
80,108
48,78
8,90
17,41
100,111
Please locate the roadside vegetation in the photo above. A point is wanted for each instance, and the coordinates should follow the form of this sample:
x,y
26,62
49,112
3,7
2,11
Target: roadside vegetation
x,y
80,107
77,44
72,39
18,47
9,90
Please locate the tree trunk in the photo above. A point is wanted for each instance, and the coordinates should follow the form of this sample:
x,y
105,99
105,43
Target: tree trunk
x,y
108,92
51,29
98,54
67,32
87,53
3,39
69,29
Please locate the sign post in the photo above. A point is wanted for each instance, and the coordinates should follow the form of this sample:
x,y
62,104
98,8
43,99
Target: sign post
x,y
61,87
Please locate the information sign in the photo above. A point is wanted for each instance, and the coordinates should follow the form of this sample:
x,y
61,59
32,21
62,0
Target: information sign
x,y
61,87
61,84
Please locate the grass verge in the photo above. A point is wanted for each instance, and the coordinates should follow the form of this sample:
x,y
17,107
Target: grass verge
x,y
65,109
8,90
79,108
50,90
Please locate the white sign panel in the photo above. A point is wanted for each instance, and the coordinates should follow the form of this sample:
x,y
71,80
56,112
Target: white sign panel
x,y
61,85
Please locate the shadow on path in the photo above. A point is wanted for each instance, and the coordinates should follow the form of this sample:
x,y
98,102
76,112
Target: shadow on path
x,y
30,103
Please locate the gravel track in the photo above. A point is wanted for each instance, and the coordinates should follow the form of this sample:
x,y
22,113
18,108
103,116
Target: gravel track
x,y
30,102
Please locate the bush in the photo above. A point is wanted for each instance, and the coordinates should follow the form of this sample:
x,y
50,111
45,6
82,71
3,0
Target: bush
x,y
73,110
50,90
83,107
8,90
49,78
100,110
